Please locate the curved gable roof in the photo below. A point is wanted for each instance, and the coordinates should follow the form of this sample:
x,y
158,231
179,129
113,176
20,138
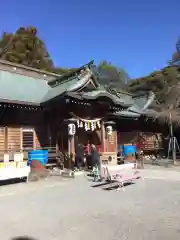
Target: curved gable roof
x,y
19,88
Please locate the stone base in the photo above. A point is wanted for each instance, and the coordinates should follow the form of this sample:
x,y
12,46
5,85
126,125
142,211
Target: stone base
x,y
68,174
38,171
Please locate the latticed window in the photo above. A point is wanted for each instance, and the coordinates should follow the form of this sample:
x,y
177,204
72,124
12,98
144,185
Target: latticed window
x,y
27,138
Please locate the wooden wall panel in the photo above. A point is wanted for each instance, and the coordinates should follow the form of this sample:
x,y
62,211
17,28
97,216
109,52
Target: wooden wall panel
x,y
2,142
111,142
14,140
127,137
41,137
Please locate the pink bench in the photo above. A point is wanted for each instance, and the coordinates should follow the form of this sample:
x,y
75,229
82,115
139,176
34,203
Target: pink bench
x,y
114,171
127,179
122,175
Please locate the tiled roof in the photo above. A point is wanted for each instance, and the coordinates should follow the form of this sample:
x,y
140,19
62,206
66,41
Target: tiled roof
x,y
20,88
139,107
99,93
72,85
123,100
27,90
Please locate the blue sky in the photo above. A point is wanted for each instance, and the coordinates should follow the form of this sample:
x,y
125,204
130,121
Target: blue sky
x,y
138,35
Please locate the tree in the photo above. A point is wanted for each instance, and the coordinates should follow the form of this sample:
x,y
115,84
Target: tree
x,y
25,47
175,59
164,83
111,76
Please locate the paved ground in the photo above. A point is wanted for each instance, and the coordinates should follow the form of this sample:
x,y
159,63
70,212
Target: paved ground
x,y
72,210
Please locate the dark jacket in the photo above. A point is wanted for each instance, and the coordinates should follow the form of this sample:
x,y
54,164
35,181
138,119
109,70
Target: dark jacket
x,y
95,157
79,151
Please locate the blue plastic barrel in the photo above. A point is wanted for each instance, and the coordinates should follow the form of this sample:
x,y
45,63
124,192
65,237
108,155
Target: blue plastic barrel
x,y
38,155
129,152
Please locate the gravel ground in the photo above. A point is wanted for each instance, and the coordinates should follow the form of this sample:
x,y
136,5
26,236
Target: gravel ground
x,y
71,209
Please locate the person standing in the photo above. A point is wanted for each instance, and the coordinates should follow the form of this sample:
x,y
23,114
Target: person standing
x,y
79,158
139,159
96,161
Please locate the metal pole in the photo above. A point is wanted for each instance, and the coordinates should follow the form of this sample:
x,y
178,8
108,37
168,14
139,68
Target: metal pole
x,y
170,122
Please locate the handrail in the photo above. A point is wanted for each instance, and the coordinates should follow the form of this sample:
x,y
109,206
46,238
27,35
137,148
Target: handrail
x,y
14,150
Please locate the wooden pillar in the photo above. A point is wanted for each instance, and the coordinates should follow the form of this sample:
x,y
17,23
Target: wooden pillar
x,y
71,150
69,145
103,138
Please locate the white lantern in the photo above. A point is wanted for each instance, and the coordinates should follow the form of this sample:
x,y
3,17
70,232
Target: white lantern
x,y
71,129
109,130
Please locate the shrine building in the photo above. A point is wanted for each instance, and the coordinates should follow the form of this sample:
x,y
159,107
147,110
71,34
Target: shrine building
x,y
42,110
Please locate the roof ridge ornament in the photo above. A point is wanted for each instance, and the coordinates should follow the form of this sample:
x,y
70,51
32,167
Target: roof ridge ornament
x,y
83,72
71,74
112,91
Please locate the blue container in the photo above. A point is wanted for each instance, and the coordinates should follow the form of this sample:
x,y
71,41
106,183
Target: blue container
x,y
38,155
129,150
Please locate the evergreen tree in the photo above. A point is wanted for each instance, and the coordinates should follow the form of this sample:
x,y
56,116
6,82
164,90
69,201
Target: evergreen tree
x,y
25,47
111,76
176,55
163,83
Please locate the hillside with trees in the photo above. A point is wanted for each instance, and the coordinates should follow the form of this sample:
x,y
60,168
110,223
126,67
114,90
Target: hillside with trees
x,y
26,48
160,82
166,85
111,76
175,59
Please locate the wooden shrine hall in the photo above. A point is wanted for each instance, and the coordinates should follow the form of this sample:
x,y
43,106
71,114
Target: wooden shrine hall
x,y
42,110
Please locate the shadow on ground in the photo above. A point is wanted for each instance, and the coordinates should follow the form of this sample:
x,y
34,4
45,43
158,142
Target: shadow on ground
x,y
24,238
12,181
111,186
